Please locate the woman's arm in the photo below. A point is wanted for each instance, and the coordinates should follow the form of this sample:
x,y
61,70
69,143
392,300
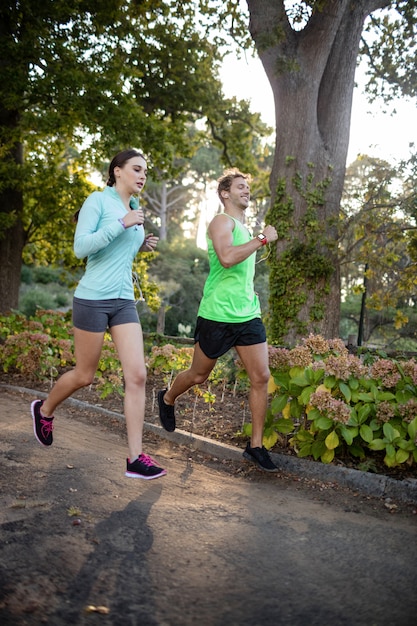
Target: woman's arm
x,y
89,238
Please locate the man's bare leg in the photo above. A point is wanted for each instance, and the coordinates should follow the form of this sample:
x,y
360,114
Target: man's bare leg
x,y
196,374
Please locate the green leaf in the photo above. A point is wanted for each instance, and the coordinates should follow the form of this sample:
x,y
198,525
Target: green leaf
x,y
353,384
366,433
269,440
348,434
403,395
377,444
390,433
284,426
401,456
278,403
323,423
356,450
329,382
345,389
317,449
384,396
305,395
296,371
327,456
363,413
295,408
412,429
332,440
281,379
365,397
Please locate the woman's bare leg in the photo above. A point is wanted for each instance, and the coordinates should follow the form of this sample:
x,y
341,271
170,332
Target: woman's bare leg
x,y
87,350
128,340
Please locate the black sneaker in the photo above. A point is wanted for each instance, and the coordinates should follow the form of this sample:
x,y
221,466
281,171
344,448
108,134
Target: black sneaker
x,y
42,426
260,456
166,412
143,467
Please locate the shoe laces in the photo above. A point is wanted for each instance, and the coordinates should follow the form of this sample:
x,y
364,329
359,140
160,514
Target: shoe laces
x,y
47,426
146,460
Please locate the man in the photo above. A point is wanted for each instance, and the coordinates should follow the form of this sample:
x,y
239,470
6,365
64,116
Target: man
x,y
229,314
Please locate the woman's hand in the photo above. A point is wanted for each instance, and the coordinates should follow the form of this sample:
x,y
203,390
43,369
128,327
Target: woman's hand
x,y
150,243
134,218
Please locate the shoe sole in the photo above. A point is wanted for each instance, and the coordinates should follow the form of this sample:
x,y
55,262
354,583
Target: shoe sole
x,y
249,457
32,411
133,475
171,426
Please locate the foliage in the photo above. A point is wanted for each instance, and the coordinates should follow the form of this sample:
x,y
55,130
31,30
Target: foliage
x,y
377,230
80,83
309,51
180,271
334,404
41,346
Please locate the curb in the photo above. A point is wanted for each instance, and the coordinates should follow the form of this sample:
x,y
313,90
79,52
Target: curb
x,y
363,482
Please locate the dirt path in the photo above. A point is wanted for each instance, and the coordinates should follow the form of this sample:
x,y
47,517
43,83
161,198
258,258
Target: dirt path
x,y
210,543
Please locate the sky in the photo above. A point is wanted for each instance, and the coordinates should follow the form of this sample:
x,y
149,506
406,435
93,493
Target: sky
x,y
372,132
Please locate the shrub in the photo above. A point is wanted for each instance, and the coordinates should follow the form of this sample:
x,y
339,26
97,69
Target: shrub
x,y
333,403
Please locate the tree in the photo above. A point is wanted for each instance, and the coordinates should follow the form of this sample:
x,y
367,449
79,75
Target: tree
x,y
377,232
80,81
309,51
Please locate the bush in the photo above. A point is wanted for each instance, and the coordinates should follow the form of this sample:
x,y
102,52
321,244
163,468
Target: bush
x,y
36,299
332,403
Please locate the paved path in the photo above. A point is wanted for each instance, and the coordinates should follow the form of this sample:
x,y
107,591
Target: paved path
x,y
202,545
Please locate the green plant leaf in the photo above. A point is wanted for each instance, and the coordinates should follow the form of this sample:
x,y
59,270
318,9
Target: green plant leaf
x,y
401,456
356,450
412,429
327,456
296,409
366,433
284,426
305,395
363,413
345,389
332,440
384,396
403,395
329,382
278,403
269,440
323,423
281,379
353,384
377,444
318,448
348,434
365,397
390,460
390,432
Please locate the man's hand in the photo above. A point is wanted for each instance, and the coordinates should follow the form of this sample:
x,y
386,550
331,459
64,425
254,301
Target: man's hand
x,y
270,233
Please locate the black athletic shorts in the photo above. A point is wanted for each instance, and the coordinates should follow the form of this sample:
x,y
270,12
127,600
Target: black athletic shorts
x,y
216,338
97,316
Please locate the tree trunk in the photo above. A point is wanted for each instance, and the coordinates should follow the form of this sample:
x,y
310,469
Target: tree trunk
x,y
311,73
12,236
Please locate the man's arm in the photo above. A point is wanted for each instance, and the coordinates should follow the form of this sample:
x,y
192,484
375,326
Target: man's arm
x,y
221,233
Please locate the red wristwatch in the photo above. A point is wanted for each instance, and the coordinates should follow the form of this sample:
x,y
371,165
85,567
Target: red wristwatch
x,y
262,238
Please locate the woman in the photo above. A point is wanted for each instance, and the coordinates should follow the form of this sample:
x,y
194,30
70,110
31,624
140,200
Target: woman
x,y
109,233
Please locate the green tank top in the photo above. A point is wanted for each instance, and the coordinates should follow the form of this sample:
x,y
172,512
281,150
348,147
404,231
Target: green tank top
x,y
229,294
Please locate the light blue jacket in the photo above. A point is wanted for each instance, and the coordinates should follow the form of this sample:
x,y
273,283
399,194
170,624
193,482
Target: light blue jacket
x,y
110,249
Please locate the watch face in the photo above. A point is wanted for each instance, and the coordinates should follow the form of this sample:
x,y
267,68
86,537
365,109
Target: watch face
x,y
261,237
